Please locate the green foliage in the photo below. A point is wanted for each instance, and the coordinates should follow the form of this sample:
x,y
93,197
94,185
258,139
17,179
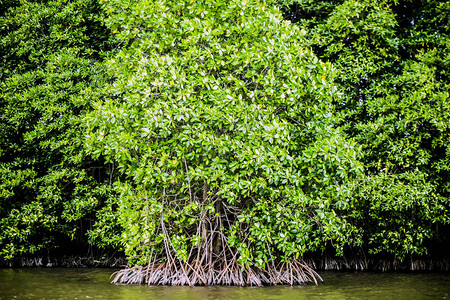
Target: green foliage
x,y
393,61
220,127
397,212
220,116
49,67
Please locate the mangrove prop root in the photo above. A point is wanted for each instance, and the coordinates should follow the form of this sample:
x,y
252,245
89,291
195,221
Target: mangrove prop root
x,y
231,273
212,261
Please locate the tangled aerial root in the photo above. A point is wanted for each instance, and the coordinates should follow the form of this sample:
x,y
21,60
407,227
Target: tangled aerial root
x,y
195,273
213,261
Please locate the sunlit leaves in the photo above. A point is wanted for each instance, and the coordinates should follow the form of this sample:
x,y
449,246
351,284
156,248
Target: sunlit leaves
x,y
224,95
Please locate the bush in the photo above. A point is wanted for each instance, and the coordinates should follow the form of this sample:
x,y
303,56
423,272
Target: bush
x,y
220,119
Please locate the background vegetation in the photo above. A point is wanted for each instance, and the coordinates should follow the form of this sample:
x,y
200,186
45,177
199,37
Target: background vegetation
x,y
219,133
50,55
393,63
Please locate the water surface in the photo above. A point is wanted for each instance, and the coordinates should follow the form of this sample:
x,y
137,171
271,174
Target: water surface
x,y
41,283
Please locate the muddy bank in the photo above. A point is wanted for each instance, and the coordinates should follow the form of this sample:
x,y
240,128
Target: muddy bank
x,y
378,264
325,263
66,261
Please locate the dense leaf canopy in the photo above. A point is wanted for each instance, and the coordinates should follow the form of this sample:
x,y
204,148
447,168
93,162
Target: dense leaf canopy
x,y
393,61
242,134
220,108
49,54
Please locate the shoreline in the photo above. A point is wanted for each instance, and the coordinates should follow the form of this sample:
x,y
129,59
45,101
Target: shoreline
x,y
325,263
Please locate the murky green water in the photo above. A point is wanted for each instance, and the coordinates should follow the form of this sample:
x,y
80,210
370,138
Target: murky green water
x,y
94,284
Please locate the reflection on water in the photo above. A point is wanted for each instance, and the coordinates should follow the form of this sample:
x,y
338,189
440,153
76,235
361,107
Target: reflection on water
x,y
94,284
